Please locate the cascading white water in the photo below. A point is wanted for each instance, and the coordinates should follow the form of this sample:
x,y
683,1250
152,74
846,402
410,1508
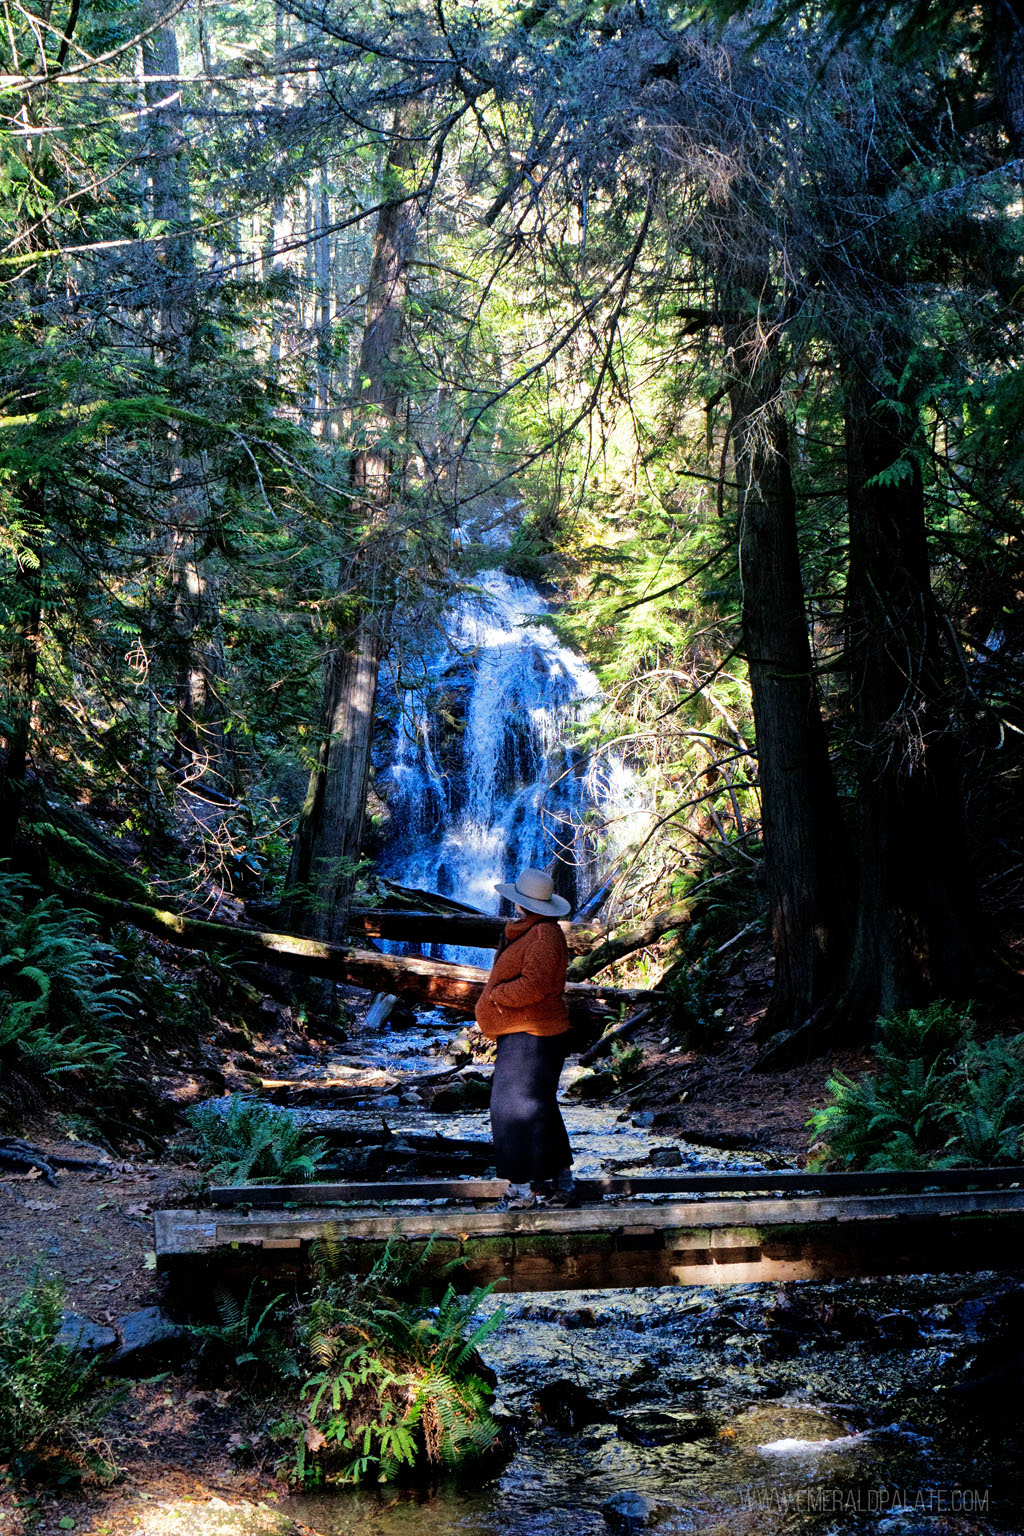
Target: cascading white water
x,y
484,779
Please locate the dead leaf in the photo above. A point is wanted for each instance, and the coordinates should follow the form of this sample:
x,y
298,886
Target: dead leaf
x,y
315,1441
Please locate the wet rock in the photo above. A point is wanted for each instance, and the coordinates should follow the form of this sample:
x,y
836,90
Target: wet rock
x,y
665,1157
898,1330
642,1117
460,1049
634,1512
564,1405
83,1335
591,1085
467,1093
652,1426
149,1341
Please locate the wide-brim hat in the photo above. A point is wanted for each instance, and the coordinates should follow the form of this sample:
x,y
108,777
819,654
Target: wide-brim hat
x,y
535,892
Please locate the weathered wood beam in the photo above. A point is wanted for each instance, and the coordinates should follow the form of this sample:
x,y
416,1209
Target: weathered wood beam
x,y
711,1180
715,1242
435,982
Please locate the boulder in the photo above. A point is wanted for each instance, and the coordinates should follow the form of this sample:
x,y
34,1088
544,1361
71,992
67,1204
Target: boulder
x,y
665,1157
150,1341
84,1336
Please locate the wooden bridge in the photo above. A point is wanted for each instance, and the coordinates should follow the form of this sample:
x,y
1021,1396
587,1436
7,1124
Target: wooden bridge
x,y
730,1229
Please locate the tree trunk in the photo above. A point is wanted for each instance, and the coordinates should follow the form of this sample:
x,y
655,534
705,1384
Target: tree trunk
x,y
328,841
919,932
197,660
804,847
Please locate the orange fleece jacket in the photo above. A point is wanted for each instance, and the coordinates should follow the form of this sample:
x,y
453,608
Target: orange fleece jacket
x,y
525,992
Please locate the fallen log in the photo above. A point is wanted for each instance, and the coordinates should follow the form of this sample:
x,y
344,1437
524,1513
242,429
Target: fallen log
x,y
475,930
436,983
620,944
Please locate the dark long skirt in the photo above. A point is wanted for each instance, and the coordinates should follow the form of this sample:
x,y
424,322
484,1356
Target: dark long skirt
x,y
530,1139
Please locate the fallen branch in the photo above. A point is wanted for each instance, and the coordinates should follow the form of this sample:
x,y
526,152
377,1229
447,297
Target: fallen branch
x,y
620,944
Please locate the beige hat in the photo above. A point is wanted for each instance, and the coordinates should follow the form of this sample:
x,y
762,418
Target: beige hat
x,y
534,890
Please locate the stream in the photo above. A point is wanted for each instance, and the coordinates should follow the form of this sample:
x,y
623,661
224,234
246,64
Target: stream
x,y
756,1408
828,1408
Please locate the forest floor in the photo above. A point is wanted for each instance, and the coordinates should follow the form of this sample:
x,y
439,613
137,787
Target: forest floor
x,y
179,1442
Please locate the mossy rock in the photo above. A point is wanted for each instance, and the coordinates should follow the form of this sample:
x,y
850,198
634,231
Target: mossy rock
x,y
591,1085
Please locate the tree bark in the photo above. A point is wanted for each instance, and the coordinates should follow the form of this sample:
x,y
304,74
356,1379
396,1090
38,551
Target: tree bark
x,y
919,932
328,841
804,847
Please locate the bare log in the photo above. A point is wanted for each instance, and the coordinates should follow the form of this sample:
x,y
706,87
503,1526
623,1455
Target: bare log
x,y
477,930
433,982
620,944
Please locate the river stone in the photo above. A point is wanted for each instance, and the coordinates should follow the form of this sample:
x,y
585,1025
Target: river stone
x,y
84,1336
216,1517
652,1426
634,1512
149,1341
591,1085
665,1157
469,1093
565,1405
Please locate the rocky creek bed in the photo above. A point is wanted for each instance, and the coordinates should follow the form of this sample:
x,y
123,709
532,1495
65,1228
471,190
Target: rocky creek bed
x,y
884,1406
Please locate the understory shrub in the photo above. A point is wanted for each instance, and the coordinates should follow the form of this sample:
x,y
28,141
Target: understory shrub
x,y
937,1098
51,1398
240,1141
62,1007
393,1386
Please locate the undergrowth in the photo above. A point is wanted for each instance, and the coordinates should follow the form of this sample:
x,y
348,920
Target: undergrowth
x,y
62,1005
52,1400
937,1098
240,1141
390,1385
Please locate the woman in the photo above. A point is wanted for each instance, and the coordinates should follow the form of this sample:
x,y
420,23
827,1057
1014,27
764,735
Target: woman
x,y
523,1008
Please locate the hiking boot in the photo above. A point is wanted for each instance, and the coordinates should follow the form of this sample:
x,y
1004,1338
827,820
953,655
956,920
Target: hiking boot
x,y
519,1197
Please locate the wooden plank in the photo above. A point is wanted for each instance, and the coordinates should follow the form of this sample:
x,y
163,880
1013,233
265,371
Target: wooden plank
x,y
595,1189
711,1243
358,1222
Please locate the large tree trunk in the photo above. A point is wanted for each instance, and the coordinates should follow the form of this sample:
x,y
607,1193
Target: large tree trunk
x,y
919,932
804,847
196,659
328,841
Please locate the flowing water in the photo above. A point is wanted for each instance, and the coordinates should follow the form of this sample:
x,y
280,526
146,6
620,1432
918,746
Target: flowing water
x,y
483,777
829,1409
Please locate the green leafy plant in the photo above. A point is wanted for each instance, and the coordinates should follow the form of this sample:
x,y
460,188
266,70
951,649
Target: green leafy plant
x,y
61,1005
626,1063
240,1141
395,1385
51,1398
936,1098
248,1335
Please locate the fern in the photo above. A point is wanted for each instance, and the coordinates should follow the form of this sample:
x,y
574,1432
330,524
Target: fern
x,y
51,1398
394,1384
240,1141
936,1098
62,1008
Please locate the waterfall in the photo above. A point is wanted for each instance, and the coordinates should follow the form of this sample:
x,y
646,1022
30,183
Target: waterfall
x,y
483,778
